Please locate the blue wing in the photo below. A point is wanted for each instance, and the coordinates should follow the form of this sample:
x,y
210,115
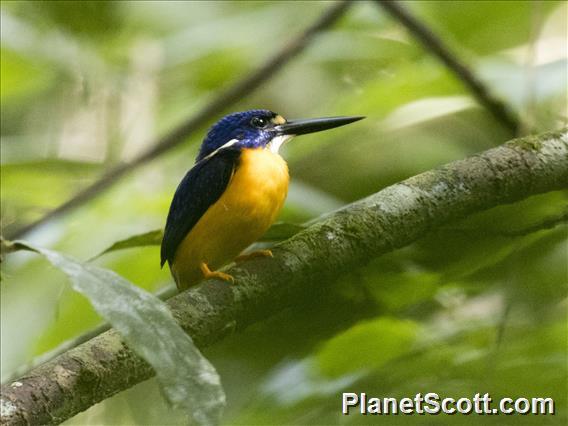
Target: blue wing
x,y
200,188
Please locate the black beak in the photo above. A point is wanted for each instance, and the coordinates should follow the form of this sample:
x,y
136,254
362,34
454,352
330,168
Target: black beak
x,y
311,125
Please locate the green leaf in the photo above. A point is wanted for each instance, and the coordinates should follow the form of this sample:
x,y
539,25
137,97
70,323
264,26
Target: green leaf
x,y
21,200
150,238
366,345
187,379
22,77
477,26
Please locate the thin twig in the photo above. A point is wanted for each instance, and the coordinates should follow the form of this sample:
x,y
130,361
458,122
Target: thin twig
x,y
434,44
241,89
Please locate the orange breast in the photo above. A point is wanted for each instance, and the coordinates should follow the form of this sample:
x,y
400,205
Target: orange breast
x,y
253,198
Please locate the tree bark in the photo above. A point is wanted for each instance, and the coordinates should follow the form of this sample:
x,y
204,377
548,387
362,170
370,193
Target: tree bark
x,y
302,266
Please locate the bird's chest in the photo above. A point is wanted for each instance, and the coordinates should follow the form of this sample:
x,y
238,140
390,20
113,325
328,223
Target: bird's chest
x,y
258,187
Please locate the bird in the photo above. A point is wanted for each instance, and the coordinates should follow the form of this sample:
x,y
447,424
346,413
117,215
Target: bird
x,y
232,194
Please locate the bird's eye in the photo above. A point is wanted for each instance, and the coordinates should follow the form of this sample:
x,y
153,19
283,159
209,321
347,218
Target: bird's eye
x,y
259,122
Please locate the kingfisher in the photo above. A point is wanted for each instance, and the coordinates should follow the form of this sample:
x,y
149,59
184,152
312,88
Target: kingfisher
x,y
232,194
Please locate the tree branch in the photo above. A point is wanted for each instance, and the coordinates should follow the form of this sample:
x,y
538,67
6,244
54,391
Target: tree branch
x,y
301,267
434,44
241,89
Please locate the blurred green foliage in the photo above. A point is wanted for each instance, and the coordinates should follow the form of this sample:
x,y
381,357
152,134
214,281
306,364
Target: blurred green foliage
x,y
471,308
384,339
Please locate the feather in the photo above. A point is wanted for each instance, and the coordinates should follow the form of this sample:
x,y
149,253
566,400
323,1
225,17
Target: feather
x,y
200,188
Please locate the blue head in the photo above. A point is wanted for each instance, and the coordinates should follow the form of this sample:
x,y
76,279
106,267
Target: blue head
x,y
261,128
249,129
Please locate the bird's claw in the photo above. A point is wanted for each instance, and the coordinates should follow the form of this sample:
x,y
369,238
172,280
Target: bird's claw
x,y
208,273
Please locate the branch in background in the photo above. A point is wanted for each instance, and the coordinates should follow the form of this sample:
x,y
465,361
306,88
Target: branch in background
x,y
547,223
435,45
241,89
302,266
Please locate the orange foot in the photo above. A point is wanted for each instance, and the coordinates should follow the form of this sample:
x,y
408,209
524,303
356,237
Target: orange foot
x,y
208,273
254,254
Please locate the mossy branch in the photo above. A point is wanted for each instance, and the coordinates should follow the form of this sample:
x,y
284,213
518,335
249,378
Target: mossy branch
x,y
302,266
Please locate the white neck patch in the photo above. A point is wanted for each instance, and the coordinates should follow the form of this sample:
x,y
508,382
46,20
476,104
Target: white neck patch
x,y
228,144
276,142
273,146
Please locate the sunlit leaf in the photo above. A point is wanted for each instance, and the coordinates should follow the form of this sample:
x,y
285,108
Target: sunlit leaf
x,y
188,380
